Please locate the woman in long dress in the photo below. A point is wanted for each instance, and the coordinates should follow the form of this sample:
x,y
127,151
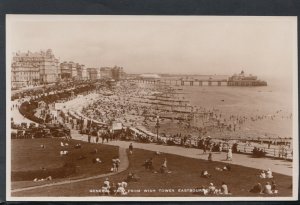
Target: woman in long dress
x,y
229,155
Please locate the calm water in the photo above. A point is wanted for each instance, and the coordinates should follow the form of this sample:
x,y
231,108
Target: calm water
x,y
266,99
249,102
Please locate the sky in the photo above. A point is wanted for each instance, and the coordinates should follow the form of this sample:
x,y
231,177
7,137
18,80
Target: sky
x,y
263,46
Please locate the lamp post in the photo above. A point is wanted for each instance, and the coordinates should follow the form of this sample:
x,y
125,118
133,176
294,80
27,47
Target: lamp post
x,y
157,126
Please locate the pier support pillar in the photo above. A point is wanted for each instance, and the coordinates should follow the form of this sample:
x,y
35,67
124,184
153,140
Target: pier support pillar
x,y
209,83
200,83
191,83
182,82
219,83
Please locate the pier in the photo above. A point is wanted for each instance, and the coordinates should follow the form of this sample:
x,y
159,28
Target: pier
x,y
181,82
203,82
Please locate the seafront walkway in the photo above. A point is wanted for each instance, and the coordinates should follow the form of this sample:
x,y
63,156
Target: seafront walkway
x,y
276,165
17,116
123,166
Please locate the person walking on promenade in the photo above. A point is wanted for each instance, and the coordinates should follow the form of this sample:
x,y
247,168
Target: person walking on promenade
x,y
102,137
220,147
210,157
99,133
97,138
89,137
130,148
107,135
229,154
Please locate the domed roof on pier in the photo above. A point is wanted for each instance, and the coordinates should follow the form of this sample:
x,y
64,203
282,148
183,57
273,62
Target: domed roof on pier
x,y
149,75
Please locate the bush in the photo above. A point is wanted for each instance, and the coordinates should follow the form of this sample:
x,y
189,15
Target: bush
x,y
234,148
258,152
27,110
170,142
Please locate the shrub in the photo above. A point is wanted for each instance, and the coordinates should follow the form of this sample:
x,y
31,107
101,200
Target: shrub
x,y
28,109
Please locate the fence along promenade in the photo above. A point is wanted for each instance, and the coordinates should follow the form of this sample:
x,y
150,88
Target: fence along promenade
x,y
278,152
270,152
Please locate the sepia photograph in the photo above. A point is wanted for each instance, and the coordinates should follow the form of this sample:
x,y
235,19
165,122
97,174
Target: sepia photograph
x,y
151,108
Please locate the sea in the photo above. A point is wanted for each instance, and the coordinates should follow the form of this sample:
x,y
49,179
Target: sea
x,y
276,99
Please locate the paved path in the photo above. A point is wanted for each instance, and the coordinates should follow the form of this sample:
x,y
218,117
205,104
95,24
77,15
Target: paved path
x,y
123,166
278,166
17,116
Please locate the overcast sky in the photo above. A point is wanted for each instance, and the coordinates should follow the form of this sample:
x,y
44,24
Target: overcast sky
x,y
264,46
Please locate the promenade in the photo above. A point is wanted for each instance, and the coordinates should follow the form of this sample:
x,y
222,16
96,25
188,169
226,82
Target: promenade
x,y
278,166
17,116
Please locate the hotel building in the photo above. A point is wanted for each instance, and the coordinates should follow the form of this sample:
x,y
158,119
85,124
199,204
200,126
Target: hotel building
x,y
36,68
115,73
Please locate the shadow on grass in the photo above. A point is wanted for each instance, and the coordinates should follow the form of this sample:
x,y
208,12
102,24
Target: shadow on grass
x,y
66,170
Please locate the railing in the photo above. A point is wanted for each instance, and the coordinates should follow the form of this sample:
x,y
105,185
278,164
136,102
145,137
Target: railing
x,y
270,152
275,152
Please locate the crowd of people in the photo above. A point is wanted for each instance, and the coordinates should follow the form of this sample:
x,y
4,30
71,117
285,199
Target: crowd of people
x,y
266,174
268,188
126,104
109,188
118,189
211,189
46,90
119,106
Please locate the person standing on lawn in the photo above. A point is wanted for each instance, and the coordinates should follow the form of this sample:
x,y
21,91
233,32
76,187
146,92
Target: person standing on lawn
x,y
117,164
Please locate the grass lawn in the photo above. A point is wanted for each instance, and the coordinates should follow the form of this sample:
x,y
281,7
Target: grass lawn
x,y
30,161
185,175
